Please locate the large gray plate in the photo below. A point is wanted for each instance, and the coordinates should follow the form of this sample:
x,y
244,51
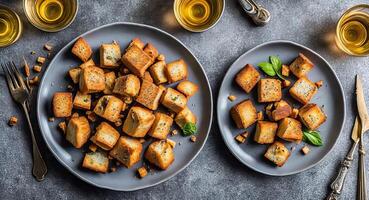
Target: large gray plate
x,y
330,95
124,179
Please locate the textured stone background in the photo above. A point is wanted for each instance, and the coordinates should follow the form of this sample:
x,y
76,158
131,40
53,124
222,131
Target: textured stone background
x,y
215,174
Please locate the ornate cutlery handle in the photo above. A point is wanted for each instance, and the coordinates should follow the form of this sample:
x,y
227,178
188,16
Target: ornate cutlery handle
x,y
39,168
337,184
362,173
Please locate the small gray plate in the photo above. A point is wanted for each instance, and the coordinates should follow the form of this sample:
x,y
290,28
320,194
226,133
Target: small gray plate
x,y
55,79
330,96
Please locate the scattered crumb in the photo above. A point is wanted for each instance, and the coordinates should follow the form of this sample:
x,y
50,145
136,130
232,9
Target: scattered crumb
x,y
269,106
13,121
91,116
51,119
245,134
232,97
319,83
92,147
33,52
48,46
172,143
142,140
26,68
62,126
142,172
125,70
293,148
286,83
49,55
193,138
260,116
113,169
74,115
285,70
305,149
118,123
127,100
240,139
41,59
37,68
171,114
69,87
161,57
34,81
174,132
294,113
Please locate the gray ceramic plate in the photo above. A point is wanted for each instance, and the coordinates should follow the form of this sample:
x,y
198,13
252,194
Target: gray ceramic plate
x,y
124,179
330,96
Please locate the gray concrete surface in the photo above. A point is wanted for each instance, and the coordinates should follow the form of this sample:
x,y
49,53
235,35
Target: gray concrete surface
x,y
215,174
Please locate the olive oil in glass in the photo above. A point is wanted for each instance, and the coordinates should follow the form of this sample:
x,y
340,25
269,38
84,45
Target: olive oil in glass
x,y
352,32
10,26
198,15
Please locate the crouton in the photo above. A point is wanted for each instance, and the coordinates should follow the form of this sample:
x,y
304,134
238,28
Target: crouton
x,y
138,122
88,63
277,153
91,80
147,77
281,110
142,172
319,84
41,60
176,71
295,113
151,51
78,131
63,127
109,82
285,71
128,85
157,72
187,88
232,97
185,116
289,129
312,116
82,101
150,94
173,100
244,114
160,153
137,42
305,150
301,66
161,126
62,104
160,57
106,136
269,90
37,68
82,49
12,121
110,55
109,107
240,139
97,161
92,147
136,60
303,90
286,83
74,74
265,132
127,151
247,78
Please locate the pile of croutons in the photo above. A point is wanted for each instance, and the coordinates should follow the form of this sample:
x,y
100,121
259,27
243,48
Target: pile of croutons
x,y
283,121
124,93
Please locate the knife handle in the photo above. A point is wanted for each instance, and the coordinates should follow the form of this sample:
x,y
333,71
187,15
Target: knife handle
x,y
362,174
337,184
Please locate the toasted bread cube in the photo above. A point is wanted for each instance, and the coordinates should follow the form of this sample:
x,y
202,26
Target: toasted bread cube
x,y
247,78
157,72
147,77
312,116
87,64
138,122
136,60
187,88
269,90
109,107
289,129
303,90
78,131
128,85
106,136
281,110
82,49
265,132
285,71
160,153
305,150
91,80
74,74
127,151
97,161
232,97
184,117
142,172
173,100
244,114
176,71
92,147
82,101
240,139
150,94
151,51
301,66
137,42
62,104
319,84
277,153
109,82
110,55
161,126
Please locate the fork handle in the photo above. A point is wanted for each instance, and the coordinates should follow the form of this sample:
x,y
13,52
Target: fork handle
x,y
362,174
39,168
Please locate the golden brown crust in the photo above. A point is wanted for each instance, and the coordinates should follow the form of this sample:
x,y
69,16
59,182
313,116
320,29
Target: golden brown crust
x,y
312,116
128,85
151,50
78,131
149,95
269,90
301,66
136,60
110,55
187,88
277,153
92,79
82,101
109,107
62,104
161,126
244,114
173,100
303,90
176,71
106,136
290,130
160,153
96,161
127,151
138,122
247,78
184,117
82,49
157,72
265,132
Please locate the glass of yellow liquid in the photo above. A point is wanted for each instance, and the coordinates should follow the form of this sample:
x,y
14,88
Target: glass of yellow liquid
x,y
352,32
10,26
198,15
50,15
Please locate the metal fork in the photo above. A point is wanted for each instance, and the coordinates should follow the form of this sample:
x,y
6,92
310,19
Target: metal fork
x,y
20,94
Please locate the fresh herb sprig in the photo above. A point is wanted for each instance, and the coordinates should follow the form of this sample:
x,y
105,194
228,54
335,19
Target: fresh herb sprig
x,y
189,129
273,67
312,137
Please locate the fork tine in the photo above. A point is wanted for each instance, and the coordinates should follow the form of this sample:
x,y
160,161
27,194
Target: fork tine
x,y
8,80
18,75
15,83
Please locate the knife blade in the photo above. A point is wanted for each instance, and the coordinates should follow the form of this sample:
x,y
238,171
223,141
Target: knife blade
x,y
361,106
355,130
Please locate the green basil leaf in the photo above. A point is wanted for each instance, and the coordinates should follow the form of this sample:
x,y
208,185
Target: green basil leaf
x,y
277,66
189,129
312,137
267,68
